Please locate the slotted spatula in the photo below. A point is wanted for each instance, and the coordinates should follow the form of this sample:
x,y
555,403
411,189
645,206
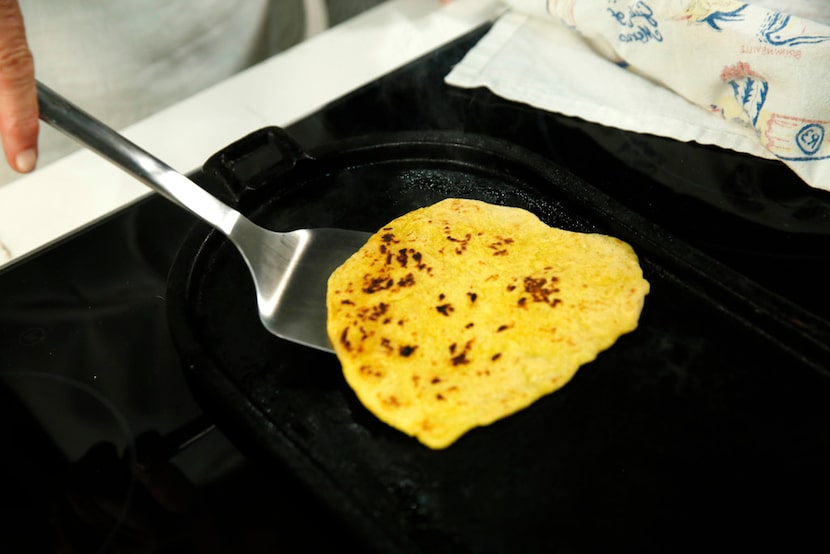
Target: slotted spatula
x,y
290,270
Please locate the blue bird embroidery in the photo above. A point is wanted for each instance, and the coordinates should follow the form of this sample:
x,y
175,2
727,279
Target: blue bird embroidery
x,y
772,32
720,17
702,12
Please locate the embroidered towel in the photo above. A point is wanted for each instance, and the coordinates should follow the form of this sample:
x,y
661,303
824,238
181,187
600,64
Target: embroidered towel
x,y
737,75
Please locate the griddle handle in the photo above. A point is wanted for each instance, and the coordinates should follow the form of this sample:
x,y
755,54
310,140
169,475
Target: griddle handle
x,y
254,161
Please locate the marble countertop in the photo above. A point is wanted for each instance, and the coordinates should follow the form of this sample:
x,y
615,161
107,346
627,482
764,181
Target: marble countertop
x,y
75,191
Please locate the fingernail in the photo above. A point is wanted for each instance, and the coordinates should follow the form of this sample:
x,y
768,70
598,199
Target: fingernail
x,y
26,160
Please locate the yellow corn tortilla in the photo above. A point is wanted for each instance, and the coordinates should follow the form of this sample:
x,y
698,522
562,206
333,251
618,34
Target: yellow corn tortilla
x,y
458,314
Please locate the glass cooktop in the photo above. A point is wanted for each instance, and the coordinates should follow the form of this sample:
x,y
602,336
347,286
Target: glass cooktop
x,y
89,375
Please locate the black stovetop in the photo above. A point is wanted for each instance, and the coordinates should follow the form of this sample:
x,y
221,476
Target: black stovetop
x,y
87,365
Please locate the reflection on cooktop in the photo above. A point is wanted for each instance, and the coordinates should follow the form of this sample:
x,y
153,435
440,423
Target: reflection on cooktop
x,y
91,391
110,500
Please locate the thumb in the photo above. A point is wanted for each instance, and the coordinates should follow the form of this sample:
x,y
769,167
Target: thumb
x,y
18,94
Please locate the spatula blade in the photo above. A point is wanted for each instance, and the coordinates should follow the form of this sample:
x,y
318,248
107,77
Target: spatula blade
x,y
299,313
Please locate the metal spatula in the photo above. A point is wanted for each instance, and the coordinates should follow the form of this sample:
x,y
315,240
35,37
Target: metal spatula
x,y
290,270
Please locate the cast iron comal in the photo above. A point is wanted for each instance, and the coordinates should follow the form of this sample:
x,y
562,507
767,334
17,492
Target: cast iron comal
x,y
705,425
290,269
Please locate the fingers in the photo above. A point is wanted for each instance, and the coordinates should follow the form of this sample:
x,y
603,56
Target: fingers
x,y
18,94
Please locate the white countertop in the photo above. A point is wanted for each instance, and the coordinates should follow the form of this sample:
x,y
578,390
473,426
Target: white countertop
x,y
59,199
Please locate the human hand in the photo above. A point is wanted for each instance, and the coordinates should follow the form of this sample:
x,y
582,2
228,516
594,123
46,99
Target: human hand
x,y
18,95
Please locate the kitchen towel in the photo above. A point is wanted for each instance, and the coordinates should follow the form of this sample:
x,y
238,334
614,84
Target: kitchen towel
x,y
742,76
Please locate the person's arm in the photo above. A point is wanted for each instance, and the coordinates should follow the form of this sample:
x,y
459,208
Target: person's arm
x,y
18,94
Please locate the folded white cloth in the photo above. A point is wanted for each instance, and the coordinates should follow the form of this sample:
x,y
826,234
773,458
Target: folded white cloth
x,y
733,74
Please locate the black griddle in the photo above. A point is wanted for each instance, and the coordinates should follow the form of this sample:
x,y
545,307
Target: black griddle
x,y
723,384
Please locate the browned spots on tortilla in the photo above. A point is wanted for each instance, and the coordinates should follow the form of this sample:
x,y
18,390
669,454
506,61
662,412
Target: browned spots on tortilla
x,y
461,244
344,339
407,350
374,313
372,285
542,290
461,359
364,334
402,257
445,309
499,246
369,371
418,257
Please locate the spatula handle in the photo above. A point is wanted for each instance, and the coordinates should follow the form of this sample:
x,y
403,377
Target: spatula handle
x,y
101,139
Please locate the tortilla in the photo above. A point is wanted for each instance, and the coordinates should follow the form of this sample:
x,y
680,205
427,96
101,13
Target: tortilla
x,y
458,314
